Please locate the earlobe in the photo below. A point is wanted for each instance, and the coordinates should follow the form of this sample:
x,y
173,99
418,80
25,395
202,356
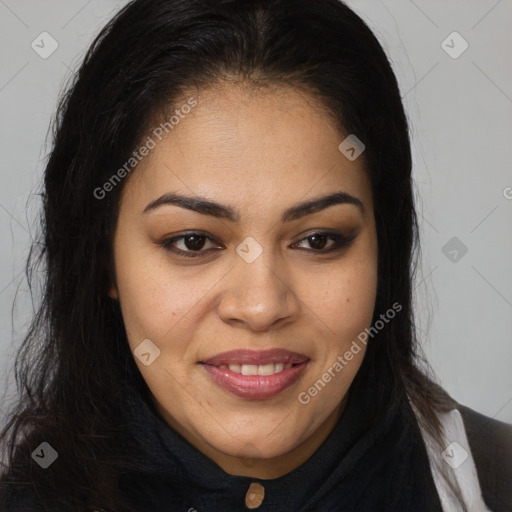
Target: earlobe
x,y
113,293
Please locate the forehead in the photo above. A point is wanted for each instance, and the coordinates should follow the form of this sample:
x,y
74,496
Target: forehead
x,y
250,146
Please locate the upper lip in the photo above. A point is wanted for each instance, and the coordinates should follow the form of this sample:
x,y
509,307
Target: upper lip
x,y
256,357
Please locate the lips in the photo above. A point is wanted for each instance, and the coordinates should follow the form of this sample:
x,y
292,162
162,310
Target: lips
x,y
256,374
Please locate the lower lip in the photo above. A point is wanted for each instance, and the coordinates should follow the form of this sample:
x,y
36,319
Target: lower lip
x,y
255,386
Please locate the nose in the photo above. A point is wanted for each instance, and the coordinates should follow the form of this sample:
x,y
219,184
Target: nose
x,y
258,296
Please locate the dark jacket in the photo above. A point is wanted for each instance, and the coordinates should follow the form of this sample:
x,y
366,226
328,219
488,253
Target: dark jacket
x,y
491,444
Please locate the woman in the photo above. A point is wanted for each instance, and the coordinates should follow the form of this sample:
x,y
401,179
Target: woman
x,y
229,238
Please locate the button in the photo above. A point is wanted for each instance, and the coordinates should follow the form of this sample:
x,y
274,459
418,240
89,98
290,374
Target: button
x,y
255,495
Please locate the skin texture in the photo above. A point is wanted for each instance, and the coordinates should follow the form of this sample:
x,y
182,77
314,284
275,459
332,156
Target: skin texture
x,y
259,152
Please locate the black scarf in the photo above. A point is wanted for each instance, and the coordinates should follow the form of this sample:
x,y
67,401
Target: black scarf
x,y
373,460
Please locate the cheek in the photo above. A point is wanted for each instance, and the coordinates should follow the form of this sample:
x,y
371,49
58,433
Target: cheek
x,y
349,305
343,297
156,299
345,308
156,305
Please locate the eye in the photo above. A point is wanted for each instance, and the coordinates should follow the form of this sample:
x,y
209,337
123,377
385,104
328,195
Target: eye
x,y
195,244
191,244
319,241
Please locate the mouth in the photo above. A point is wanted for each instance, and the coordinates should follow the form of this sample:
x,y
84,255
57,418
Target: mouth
x,y
256,374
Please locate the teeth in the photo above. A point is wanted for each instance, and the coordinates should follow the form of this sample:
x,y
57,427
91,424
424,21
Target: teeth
x,y
266,369
278,367
249,369
254,369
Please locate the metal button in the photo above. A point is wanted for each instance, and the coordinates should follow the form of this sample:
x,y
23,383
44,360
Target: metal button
x,y
255,495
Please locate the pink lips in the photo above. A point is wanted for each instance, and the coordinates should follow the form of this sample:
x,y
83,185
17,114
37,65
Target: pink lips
x,y
255,386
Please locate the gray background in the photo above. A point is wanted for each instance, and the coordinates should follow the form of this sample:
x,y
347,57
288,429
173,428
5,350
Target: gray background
x,y
460,110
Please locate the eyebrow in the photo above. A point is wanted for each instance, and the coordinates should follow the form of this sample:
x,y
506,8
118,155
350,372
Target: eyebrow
x,y
207,207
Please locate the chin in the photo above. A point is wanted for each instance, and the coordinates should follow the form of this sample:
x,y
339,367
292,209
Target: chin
x,y
256,443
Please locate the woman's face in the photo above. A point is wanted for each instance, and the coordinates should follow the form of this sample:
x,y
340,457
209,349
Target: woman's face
x,y
248,276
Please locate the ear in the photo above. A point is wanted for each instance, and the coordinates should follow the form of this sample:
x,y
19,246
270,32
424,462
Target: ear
x,y
110,281
113,292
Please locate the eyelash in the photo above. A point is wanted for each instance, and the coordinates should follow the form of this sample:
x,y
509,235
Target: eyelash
x,y
340,242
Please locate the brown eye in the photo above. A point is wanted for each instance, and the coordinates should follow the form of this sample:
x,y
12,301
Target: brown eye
x,y
194,242
189,245
319,242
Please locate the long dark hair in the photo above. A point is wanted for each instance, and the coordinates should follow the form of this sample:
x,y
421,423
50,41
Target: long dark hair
x,y
71,366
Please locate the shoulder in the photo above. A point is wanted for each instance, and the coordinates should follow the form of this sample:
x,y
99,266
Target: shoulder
x,y
490,442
